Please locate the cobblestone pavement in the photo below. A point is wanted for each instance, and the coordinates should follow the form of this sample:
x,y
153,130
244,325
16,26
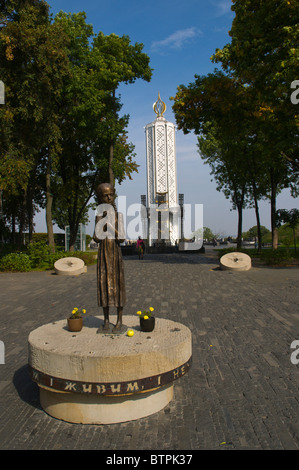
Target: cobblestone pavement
x,y
241,391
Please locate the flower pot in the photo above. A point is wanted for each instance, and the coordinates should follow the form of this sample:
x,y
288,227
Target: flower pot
x,y
148,324
75,324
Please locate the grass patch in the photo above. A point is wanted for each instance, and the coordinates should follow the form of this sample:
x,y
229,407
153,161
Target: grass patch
x,y
280,257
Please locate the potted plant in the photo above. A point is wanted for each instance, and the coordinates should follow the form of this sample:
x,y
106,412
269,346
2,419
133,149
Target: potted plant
x,y
75,321
146,319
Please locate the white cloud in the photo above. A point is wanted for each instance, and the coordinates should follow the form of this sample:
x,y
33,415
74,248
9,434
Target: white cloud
x,y
222,7
177,40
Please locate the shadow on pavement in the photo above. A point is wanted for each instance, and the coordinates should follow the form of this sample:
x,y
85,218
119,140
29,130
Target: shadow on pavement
x,y
27,389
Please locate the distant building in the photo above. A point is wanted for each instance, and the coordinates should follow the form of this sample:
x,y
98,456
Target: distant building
x,y
80,244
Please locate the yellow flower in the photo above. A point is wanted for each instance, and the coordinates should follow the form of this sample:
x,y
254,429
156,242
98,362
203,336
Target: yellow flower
x,y
83,311
139,312
145,317
74,311
151,309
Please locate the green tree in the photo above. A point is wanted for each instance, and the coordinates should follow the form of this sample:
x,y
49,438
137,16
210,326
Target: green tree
x,y
290,218
208,234
263,55
61,113
73,174
124,63
253,232
32,65
219,110
230,178
94,138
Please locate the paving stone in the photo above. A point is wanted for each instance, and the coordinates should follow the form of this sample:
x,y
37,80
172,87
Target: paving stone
x,y
241,391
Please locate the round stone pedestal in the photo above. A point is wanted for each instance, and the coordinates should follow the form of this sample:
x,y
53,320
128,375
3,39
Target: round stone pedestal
x,y
236,261
70,266
93,378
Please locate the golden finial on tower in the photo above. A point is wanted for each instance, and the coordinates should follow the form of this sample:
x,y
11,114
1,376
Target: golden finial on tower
x,y
159,106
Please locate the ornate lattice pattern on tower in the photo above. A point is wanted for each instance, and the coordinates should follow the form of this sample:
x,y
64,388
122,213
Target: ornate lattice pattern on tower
x,y
161,171
161,163
150,165
171,167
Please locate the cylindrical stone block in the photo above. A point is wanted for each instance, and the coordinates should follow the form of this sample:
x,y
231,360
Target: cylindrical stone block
x,y
235,262
91,373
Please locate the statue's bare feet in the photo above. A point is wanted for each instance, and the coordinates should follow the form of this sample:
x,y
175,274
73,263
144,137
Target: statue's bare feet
x,y
106,326
119,322
117,327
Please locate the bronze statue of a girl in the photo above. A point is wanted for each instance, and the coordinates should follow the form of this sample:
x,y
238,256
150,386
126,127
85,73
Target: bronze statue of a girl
x,y
109,233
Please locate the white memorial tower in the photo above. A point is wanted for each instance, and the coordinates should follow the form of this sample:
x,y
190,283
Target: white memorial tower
x,y
162,198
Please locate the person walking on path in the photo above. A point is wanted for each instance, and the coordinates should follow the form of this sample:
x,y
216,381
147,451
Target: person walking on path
x,y
140,247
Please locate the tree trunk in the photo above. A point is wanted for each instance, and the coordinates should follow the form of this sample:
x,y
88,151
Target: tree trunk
x,y
1,215
110,170
13,229
72,245
22,221
72,217
73,236
274,229
30,215
258,224
240,222
111,149
49,201
238,200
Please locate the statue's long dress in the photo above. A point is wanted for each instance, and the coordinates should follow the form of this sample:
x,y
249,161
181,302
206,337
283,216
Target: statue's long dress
x,y
110,273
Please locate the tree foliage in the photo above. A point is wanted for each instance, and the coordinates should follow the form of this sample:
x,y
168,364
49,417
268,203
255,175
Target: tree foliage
x,y
290,218
244,117
62,116
219,110
32,64
94,136
263,54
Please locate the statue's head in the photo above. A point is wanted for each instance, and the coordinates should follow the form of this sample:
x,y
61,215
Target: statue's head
x,y
105,193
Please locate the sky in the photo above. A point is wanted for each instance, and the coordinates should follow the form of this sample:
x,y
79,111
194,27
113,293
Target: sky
x,y
180,38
